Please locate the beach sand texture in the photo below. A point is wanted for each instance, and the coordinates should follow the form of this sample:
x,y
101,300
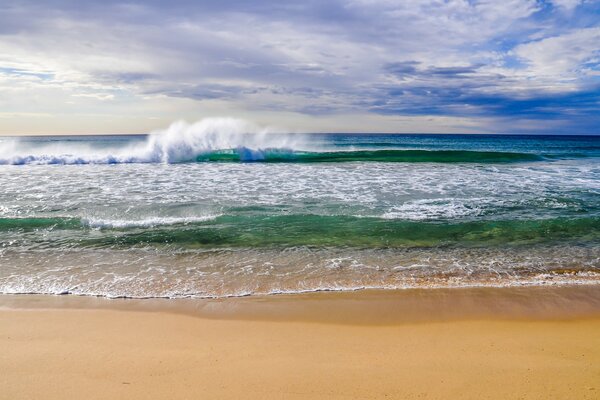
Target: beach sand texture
x,y
99,349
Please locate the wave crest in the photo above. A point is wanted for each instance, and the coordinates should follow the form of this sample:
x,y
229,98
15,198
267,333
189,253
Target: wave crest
x,y
225,140
183,142
180,142
144,223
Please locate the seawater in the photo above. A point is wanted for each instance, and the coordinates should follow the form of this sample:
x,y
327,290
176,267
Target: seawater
x,y
222,208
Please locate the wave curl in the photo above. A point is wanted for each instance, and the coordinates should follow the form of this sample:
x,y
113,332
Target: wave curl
x,y
225,140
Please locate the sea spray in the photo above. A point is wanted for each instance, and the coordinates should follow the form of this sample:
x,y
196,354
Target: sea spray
x,y
180,142
183,142
232,140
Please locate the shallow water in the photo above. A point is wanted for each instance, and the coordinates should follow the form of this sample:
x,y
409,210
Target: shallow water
x,y
210,214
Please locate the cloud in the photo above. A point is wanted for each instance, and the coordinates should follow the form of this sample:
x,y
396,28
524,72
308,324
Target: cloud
x,y
477,61
567,4
562,57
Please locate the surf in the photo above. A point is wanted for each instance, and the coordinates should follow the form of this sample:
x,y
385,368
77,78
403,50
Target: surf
x,y
229,140
180,142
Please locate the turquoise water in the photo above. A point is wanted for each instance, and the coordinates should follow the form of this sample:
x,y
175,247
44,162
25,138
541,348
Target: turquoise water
x,y
213,214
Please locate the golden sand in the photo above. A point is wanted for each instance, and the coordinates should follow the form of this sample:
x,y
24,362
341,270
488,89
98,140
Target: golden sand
x,y
71,347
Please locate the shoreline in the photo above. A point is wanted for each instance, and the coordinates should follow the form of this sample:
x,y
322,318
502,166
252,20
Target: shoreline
x,y
531,343
365,306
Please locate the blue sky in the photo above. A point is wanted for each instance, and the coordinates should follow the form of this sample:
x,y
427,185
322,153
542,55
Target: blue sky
x,y
320,66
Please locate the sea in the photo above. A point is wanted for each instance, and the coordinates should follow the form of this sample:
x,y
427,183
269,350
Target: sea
x,y
211,210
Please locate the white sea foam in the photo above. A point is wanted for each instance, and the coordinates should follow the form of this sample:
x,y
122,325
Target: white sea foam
x,y
430,209
180,142
144,272
144,223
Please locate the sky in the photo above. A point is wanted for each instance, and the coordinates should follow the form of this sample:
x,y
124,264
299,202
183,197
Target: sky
x,y
431,66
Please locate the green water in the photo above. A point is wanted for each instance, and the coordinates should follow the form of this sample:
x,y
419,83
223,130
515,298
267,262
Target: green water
x,y
310,230
439,156
212,215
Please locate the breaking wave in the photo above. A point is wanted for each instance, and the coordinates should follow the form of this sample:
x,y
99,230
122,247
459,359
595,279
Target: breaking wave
x,y
181,142
225,140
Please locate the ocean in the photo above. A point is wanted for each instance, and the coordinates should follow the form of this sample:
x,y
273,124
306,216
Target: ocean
x,y
203,211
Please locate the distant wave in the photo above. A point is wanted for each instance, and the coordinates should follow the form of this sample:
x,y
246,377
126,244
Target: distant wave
x,y
438,156
181,142
279,155
226,140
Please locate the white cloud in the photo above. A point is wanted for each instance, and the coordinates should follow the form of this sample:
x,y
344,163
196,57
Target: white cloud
x,y
561,57
567,4
307,61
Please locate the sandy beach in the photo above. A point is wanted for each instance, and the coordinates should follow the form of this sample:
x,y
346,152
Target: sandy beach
x,y
529,343
303,200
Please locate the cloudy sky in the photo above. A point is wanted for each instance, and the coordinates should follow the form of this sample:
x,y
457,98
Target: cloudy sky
x,y
494,66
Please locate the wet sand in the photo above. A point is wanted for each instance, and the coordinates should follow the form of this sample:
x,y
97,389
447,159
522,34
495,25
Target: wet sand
x,y
531,343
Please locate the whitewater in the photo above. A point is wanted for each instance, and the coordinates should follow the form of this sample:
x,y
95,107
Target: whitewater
x,y
224,207
180,142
